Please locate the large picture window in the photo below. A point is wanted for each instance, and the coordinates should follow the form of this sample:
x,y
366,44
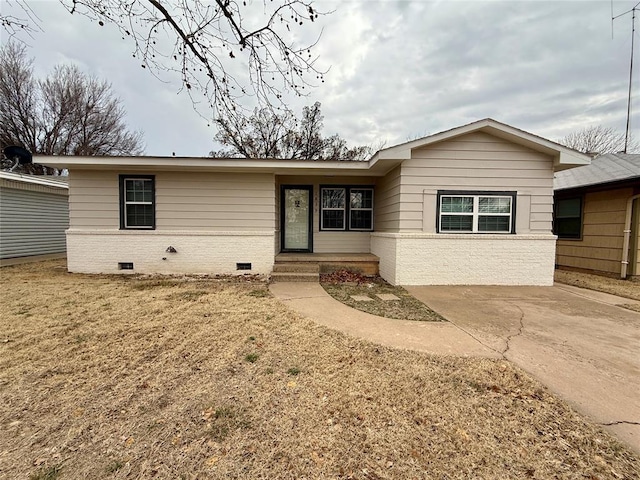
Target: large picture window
x,y
567,218
137,202
476,212
346,208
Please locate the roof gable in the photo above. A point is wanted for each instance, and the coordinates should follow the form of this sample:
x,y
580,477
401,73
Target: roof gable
x,y
563,157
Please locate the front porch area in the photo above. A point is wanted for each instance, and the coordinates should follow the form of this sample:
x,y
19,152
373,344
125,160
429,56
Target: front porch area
x,y
306,267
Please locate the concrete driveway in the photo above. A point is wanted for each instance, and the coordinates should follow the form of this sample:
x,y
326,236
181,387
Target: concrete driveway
x,y
577,342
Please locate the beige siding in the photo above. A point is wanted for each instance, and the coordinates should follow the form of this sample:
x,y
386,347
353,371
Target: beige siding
x,y
342,242
184,201
387,202
476,161
93,200
602,234
330,242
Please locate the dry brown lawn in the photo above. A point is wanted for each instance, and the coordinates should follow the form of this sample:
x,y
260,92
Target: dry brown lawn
x,y
614,286
120,377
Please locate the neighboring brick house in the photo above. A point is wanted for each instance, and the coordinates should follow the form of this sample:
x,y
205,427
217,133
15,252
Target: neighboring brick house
x,y
597,216
471,205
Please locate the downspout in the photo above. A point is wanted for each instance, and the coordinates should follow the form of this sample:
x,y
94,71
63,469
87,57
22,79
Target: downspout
x,y
627,235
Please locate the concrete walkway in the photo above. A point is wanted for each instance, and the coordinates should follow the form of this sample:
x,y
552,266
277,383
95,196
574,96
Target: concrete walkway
x,y
311,300
575,341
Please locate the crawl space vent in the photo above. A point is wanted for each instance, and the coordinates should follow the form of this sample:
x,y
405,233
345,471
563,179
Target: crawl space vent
x,y
243,266
125,265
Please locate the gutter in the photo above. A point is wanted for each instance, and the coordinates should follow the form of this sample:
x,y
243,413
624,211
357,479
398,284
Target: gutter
x,y
627,235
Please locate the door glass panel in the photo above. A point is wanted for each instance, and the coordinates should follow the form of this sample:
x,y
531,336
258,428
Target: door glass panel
x,y
296,219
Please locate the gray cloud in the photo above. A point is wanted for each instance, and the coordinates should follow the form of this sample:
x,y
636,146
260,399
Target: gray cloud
x,y
398,69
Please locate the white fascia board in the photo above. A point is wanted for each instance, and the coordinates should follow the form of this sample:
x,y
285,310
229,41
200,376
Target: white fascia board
x,y
570,159
194,163
37,180
278,167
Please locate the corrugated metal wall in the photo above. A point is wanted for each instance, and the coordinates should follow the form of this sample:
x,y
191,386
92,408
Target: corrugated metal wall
x,y
32,223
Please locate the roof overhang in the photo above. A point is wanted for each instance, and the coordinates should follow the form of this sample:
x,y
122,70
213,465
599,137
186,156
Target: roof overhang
x,y
205,164
48,181
563,157
379,165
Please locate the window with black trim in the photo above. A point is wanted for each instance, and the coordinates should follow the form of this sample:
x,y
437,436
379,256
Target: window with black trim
x,y
137,202
476,212
567,218
346,208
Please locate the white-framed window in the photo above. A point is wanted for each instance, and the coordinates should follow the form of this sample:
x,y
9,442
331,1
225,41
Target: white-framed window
x,y
137,202
476,212
346,208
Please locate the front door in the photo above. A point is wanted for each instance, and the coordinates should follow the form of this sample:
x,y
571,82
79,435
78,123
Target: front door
x,y
295,218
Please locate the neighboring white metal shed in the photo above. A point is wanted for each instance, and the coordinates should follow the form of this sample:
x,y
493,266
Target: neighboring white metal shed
x,y
34,214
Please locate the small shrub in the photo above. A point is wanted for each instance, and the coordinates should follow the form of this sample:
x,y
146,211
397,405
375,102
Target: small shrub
x,y
188,295
252,357
224,412
47,473
258,293
114,466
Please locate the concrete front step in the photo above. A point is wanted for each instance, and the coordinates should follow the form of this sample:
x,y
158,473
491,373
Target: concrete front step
x,y
364,263
295,277
297,267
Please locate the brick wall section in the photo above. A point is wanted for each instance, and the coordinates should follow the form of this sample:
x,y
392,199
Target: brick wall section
x,y
440,259
100,251
384,247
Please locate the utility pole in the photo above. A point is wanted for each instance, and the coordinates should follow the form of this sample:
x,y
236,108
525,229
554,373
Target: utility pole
x,y
633,32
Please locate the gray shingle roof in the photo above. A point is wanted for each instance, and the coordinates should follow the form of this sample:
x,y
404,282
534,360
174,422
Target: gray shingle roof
x,y
612,167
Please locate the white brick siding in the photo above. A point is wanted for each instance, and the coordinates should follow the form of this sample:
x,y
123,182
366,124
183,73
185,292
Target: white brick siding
x,y
100,251
446,259
384,247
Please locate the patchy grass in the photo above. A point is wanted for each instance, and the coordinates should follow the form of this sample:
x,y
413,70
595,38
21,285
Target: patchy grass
x,y
343,285
159,388
47,473
614,286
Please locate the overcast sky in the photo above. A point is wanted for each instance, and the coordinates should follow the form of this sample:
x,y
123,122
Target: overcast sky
x,y
398,69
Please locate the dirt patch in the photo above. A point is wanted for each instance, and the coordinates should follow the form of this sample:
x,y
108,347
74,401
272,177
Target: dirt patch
x,y
101,378
344,285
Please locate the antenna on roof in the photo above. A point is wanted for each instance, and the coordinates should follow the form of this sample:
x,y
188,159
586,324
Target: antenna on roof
x,y
633,31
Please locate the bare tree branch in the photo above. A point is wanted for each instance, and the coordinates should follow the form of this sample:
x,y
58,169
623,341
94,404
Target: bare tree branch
x,y
598,139
226,49
67,113
266,134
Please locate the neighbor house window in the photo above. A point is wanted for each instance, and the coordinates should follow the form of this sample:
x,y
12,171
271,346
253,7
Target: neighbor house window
x,y
476,212
137,202
567,219
346,208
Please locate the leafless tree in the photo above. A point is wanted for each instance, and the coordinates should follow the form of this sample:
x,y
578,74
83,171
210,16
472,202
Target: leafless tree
x,y
25,19
67,113
598,139
266,134
226,49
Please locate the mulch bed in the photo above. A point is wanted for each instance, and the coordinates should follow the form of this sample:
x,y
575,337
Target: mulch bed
x,y
344,284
